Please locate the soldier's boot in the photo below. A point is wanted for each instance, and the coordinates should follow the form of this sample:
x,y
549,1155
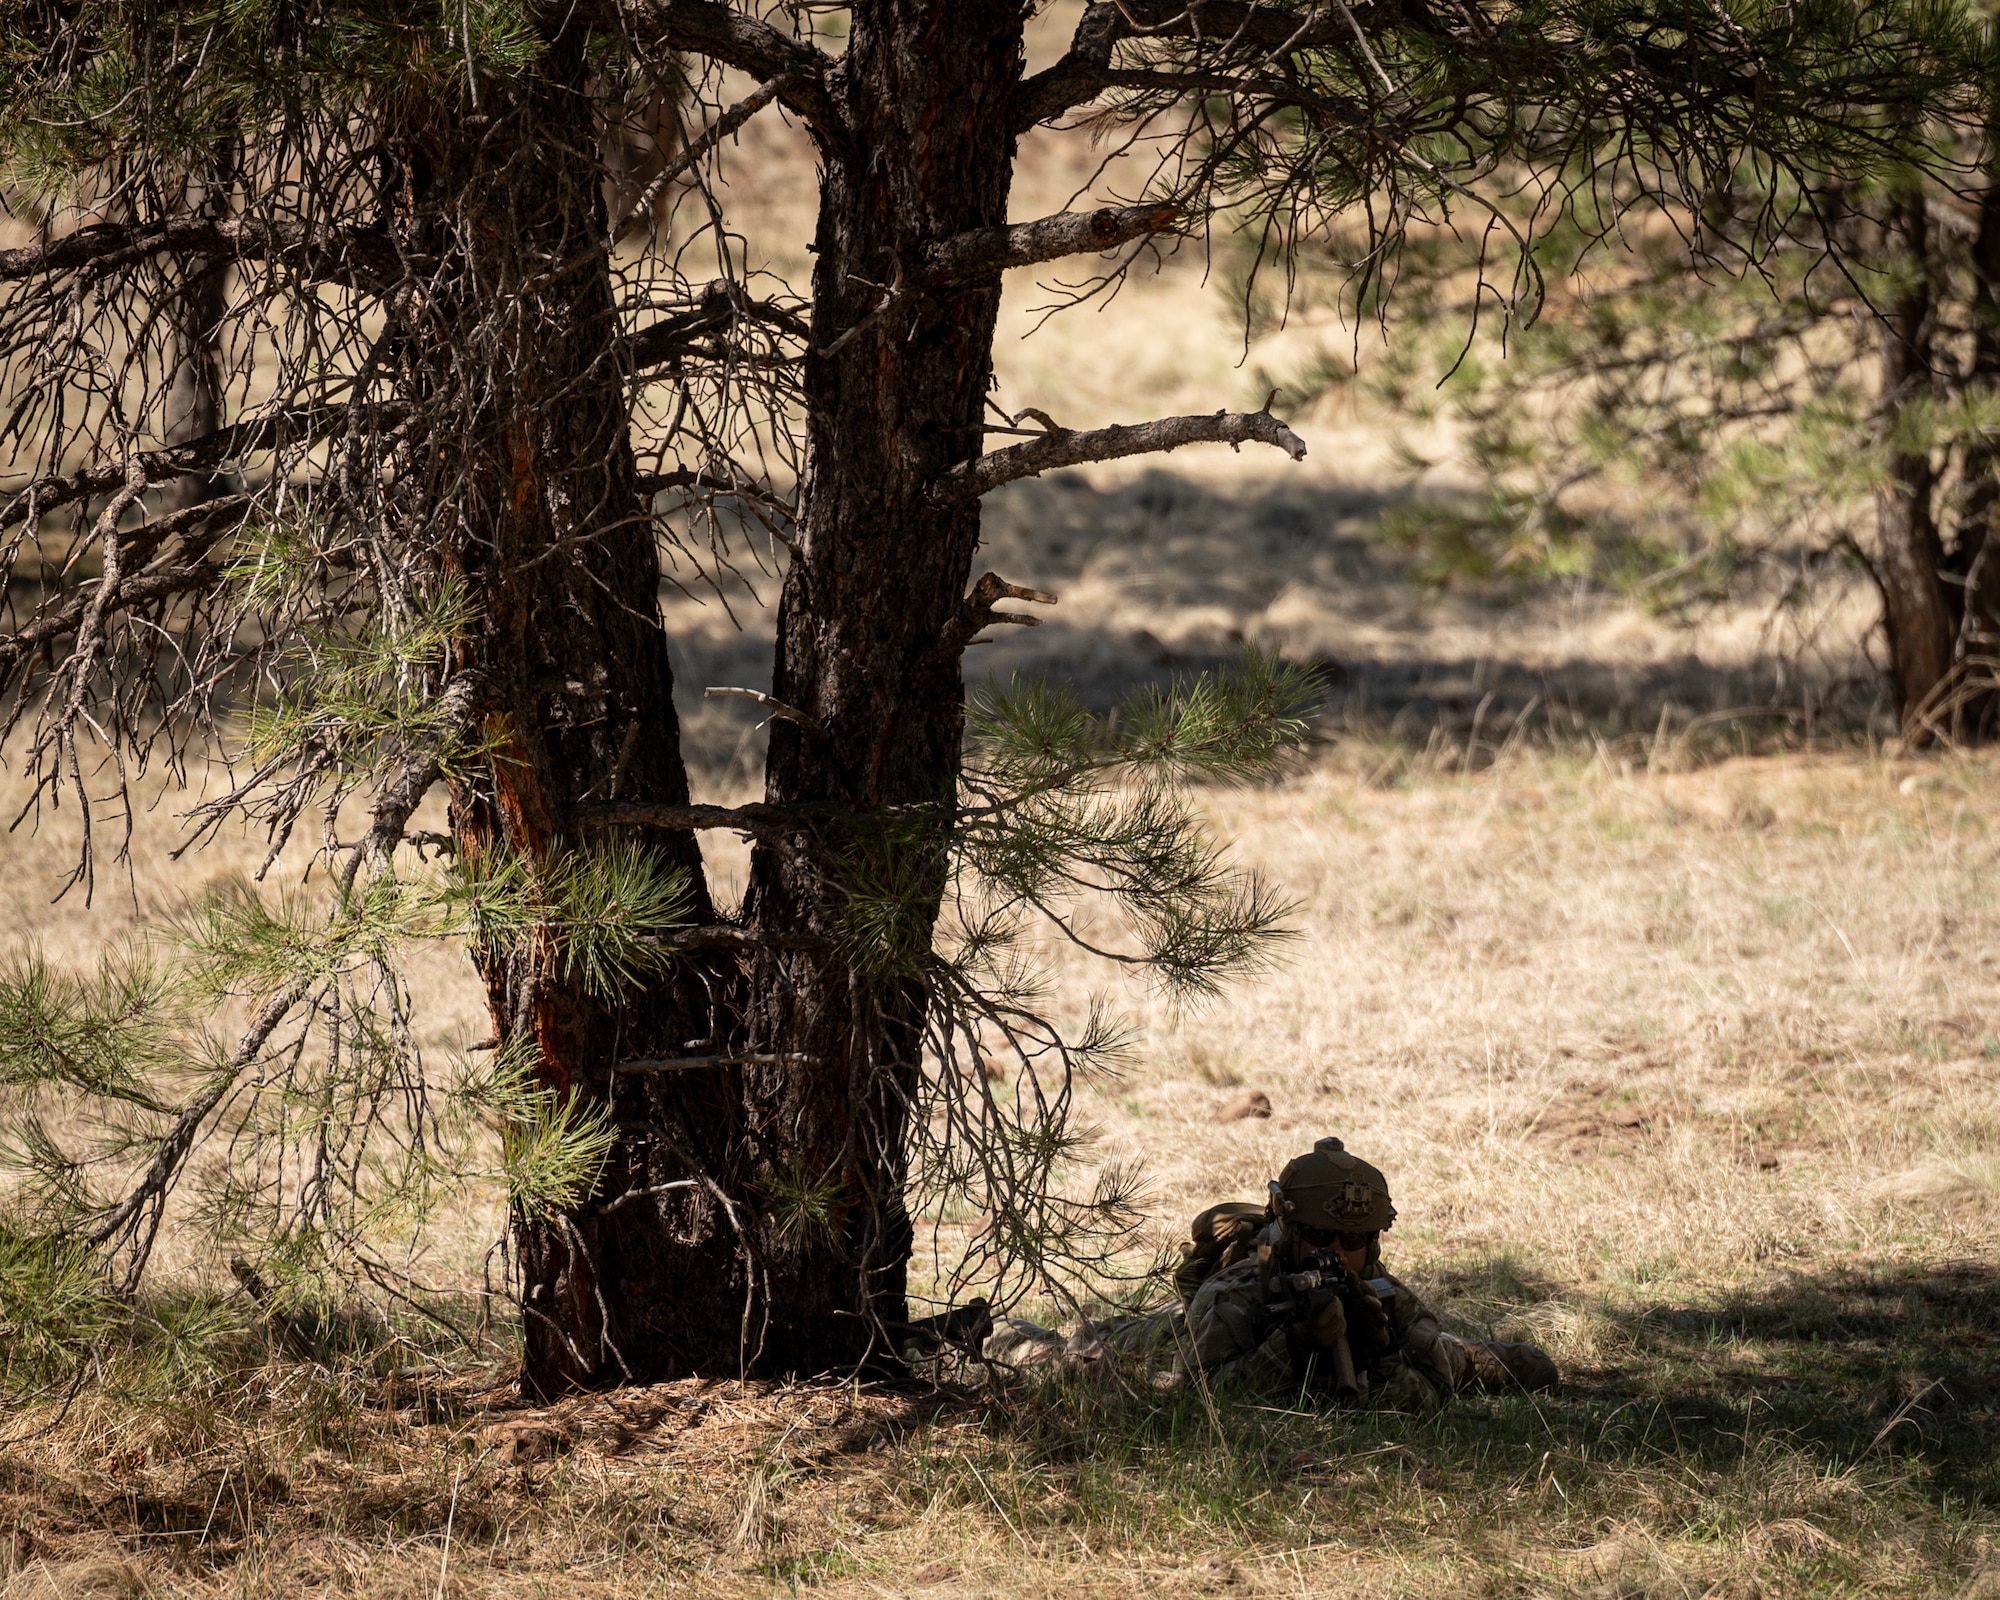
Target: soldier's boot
x,y
1501,1364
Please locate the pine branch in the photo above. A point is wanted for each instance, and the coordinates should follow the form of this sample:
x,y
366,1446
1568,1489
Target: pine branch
x,y
136,1219
713,135
401,796
147,584
358,258
720,309
174,461
195,577
759,817
983,254
727,936
726,35
1065,447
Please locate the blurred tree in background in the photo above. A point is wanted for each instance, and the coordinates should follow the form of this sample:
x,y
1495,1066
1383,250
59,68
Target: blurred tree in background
x,y
1779,382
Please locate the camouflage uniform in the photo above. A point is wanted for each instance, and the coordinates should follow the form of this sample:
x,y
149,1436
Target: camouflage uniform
x,y
1231,1337
1366,1332
1376,1335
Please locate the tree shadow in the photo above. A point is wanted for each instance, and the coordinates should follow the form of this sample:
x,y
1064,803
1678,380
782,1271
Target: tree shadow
x,y
1902,1360
1168,575
1889,1376
1845,1366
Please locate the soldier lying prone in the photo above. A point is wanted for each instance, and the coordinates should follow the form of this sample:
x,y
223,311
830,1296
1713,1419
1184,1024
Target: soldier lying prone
x,y
1293,1294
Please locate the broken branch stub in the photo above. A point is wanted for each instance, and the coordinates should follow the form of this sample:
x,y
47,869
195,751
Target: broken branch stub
x,y
982,254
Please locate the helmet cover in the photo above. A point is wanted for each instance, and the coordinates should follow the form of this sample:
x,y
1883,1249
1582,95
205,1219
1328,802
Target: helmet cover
x,y
1328,1188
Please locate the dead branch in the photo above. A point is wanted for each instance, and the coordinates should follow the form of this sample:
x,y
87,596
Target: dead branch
x,y
978,611
1066,447
984,253
161,583
776,707
757,817
727,936
1082,73
721,307
1244,24
359,258
713,135
690,1063
401,796
170,462
1077,77
652,483
724,34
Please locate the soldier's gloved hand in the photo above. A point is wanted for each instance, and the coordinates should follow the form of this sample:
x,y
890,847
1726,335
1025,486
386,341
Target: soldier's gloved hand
x,y
1325,1328
1371,1319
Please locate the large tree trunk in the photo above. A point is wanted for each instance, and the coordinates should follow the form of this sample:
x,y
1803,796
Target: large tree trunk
x,y
785,1246
1920,621
556,545
864,648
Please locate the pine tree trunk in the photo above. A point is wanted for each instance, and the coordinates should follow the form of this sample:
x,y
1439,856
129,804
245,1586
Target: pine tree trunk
x,y
862,649
1920,622
194,394
554,542
785,1246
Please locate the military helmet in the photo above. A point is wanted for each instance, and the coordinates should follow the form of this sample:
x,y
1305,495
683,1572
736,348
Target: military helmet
x,y
1328,1188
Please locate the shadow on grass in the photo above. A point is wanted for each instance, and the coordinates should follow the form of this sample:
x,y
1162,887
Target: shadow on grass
x,y
1862,1403
1899,1361
1849,1364
1212,566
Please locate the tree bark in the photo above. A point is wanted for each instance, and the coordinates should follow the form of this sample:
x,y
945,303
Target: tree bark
x,y
554,540
1919,619
194,394
896,387
1975,563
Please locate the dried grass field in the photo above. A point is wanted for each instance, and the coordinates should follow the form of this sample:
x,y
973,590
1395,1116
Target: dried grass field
x,y
1676,1027
1688,1074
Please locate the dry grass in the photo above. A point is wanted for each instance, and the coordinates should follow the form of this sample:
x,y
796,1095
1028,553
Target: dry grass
x,y
1690,1076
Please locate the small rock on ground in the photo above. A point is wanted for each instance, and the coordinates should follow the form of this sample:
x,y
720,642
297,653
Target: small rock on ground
x,y
1251,1103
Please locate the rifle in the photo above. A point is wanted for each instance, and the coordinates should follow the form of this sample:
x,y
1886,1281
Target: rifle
x,y
1320,1282
1317,1287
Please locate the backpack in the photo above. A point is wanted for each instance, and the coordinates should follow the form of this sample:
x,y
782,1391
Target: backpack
x,y
1220,1237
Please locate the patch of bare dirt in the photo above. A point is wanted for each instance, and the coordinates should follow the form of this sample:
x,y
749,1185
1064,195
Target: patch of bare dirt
x,y
1587,1123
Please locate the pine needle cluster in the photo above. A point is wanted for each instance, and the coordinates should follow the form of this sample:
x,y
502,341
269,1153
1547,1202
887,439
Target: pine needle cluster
x,y
1082,829
324,1149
